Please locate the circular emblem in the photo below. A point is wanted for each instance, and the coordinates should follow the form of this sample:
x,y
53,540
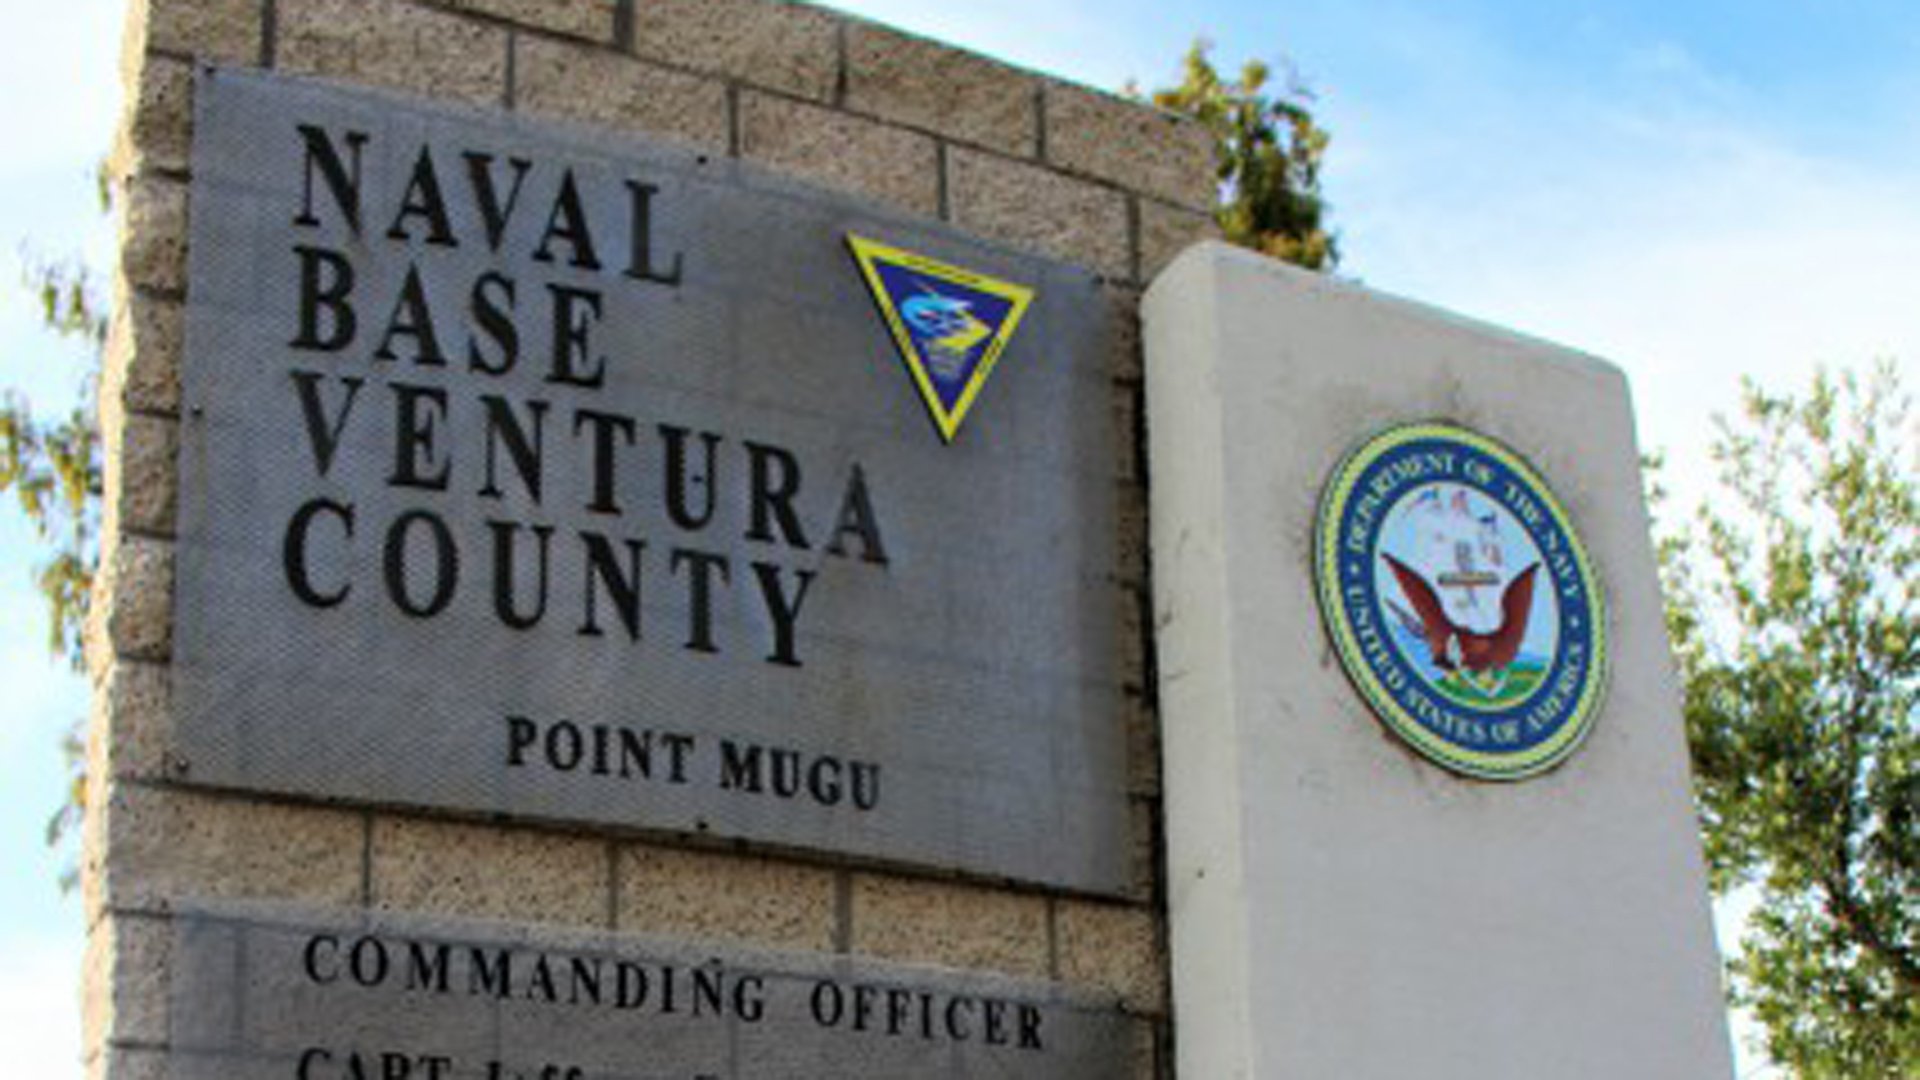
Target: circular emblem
x,y
1461,601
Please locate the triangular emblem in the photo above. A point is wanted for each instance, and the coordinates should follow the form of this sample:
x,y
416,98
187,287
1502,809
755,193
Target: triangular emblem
x,y
950,324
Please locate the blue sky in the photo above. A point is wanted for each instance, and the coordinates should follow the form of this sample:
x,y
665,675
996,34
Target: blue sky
x,y
57,95
1693,190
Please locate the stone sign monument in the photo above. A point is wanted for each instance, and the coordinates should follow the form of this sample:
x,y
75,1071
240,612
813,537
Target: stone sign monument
x,y
625,550
626,555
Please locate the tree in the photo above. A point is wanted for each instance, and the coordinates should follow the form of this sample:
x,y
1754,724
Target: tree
x,y
1794,609
53,468
1269,152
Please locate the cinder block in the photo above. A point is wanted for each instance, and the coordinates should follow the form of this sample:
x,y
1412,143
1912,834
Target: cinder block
x,y
141,367
588,19
958,94
725,897
886,163
954,925
156,121
787,47
482,870
1166,231
1035,208
227,30
1130,143
1112,949
600,87
94,793
132,608
395,45
153,233
127,1063
131,723
1145,1042
141,469
124,981
164,845
96,985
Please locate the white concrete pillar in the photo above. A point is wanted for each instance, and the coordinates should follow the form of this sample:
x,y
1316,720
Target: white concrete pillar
x,y
1342,904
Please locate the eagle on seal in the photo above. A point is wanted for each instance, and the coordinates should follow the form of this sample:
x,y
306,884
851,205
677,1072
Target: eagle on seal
x,y
1455,648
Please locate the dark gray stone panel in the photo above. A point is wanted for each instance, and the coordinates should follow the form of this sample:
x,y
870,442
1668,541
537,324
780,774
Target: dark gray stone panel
x,y
977,669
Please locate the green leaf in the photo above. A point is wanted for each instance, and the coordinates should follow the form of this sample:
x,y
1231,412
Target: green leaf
x,y
1794,614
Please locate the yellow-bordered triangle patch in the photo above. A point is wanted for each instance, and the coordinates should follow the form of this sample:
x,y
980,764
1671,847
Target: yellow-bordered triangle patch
x,y
951,324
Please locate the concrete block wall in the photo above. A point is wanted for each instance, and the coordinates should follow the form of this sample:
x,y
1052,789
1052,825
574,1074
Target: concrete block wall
x,y
1024,159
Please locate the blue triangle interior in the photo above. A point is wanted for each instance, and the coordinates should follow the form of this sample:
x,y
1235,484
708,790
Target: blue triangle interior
x,y
944,320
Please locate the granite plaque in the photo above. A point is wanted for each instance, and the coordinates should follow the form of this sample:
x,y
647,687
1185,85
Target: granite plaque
x,y
547,473
262,995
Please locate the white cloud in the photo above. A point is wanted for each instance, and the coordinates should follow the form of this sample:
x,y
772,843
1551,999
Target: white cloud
x,y
1069,38
1764,263
40,1007
1685,242
42,698
58,101
59,58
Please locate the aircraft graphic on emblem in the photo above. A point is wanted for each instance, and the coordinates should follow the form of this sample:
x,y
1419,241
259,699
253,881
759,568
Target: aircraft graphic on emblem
x,y
1461,601
950,324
